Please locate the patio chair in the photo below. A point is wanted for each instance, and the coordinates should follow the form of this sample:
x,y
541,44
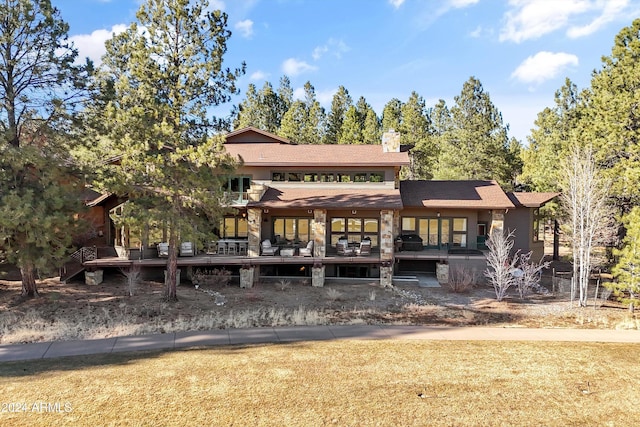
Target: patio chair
x,y
187,249
163,250
343,248
306,251
364,249
222,248
267,249
242,248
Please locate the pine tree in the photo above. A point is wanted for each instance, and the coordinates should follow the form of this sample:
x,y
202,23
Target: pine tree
x,y
351,132
339,106
392,115
371,131
39,194
415,130
166,71
627,270
612,117
549,141
477,145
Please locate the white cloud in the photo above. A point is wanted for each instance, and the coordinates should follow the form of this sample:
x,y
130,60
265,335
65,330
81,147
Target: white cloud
x,y
292,67
459,4
530,19
543,66
612,10
258,75
396,3
245,27
335,47
92,45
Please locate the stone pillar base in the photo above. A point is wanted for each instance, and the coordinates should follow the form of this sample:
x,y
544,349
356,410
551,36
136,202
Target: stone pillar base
x,y
246,277
442,273
386,276
317,276
93,277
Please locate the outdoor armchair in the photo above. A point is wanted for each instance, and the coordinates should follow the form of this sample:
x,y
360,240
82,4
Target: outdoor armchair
x,y
307,250
267,249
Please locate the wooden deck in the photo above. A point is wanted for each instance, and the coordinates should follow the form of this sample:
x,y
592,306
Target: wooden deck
x,y
221,260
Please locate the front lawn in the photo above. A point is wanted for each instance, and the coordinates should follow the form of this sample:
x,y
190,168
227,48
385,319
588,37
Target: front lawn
x,y
387,383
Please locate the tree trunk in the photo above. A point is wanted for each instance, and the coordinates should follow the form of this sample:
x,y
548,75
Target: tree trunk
x,y
172,268
29,287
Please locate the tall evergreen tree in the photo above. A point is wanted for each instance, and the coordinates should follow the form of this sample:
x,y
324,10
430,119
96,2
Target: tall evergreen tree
x,y
248,112
351,132
314,129
294,122
415,130
371,130
477,146
285,96
392,115
339,106
612,117
627,271
549,141
167,70
38,85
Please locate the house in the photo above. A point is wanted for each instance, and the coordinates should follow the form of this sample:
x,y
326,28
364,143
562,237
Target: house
x,y
285,195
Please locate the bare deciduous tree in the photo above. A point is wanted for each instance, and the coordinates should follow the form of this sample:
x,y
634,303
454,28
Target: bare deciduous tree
x,y
500,264
584,198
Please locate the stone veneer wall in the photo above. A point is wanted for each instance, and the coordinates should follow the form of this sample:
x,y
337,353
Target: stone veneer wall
x,y
319,233
497,221
254,220
386,235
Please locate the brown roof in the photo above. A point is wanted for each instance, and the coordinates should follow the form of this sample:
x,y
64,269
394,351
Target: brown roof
x,y
531,200
348,198
325,155
251,134
477,194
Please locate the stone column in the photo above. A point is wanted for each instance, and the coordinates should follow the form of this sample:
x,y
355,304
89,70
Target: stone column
x,y
317,275
386,235
246,276
320,234
386,275
254,221
93,277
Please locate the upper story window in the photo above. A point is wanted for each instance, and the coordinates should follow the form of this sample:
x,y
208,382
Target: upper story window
x,y
237,188
281,176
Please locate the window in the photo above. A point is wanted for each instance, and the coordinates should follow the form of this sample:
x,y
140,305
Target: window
x,y
408,225
233,227
536,225
355,229
292,229
302,176
459,232
237,187
437,232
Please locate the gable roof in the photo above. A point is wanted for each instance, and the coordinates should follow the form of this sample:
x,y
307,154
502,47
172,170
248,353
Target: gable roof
x,y
260,148
347,198
474,194
252,134
530,200
326,155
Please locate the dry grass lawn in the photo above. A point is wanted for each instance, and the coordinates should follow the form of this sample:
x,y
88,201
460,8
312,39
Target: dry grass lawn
x,y
387,383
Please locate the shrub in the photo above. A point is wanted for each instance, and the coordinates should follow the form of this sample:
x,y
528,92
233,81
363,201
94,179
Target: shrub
x,y
461,279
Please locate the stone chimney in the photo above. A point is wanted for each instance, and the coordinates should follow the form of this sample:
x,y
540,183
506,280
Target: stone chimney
x,y
391,141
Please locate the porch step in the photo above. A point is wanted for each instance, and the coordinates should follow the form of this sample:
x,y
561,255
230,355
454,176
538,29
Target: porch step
x,y
69,270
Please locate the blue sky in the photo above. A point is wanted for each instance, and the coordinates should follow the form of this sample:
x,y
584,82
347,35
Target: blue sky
x,y
521,50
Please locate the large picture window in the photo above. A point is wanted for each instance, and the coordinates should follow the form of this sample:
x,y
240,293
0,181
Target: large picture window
x,y
437,232
355,229
292,229
233,227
